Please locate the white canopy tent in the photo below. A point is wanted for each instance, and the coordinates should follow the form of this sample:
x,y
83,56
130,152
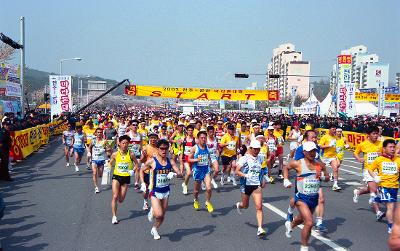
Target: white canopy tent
x,y
366,108
325,105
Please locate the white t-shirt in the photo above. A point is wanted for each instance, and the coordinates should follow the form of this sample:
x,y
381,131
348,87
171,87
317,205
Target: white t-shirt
x,y
251,165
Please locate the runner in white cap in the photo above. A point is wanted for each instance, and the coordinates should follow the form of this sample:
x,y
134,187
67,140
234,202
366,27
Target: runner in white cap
x,y
248,168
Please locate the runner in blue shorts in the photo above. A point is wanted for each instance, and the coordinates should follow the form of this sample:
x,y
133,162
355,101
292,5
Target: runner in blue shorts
x,y
97,149
79,146
306,190
200,157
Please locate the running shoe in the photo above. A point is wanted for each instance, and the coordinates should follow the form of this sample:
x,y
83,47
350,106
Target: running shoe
x,y
136,186
304,248
261,232
288,232
155,234
380,215
331,177
234,182
114,220
239,211
336,188
145,206
96,190
88,166
271,180
209,207
150,215
184,188
222,181
228,179
214,184
203,186
280,176
289,217
196,204
389,230
67,165
76,168
321,228
355,197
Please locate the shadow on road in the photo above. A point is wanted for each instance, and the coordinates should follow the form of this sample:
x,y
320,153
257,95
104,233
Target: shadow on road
x,y
178,234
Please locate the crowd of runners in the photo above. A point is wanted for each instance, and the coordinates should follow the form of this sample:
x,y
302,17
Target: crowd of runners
x,y
236,149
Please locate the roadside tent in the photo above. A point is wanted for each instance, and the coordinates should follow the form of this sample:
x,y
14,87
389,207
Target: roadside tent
x,y
325,105
366,108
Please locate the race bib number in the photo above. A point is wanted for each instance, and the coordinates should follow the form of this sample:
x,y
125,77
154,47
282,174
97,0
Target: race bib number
x,y
253,178
231,145
203,160
98,153
271,146
187,150
162,180
123,167
389,168
311,186
371,157
332,143
339,149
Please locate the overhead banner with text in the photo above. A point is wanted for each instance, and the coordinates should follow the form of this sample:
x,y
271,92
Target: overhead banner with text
x,y
200,93
389,98
60,94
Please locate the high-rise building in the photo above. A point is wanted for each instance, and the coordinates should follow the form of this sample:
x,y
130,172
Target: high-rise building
x,y
365,69
287,61
398,79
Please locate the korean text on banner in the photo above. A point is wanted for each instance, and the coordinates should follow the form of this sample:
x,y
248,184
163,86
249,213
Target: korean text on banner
x,y
346,90
60,94
25,142
201,93
13,90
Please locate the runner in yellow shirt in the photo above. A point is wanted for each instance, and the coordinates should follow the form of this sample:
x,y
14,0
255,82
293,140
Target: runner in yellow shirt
x,y
329,156
229,145
387,178
89,129
371,148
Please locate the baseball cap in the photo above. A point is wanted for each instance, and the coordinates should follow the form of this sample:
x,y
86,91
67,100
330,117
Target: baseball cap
x,y
152,134
231,127
270,128
192,122
254,121
255,144
309,146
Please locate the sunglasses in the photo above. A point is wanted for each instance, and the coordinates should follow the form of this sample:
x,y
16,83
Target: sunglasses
x,y
163,148
134,124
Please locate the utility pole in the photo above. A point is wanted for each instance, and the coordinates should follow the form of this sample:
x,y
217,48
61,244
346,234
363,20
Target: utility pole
x,y
22,64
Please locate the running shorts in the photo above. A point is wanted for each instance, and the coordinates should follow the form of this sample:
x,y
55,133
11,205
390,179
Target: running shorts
x,y
279,150
293,146
199,173
122,179
146,178
99,163
327,161
386,194
367,177
227,160
79,151
311,201
248,190
158,195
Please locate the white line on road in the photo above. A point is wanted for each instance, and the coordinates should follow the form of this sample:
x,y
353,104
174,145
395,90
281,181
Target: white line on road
x,y
353,183
352,161
358,168
348,171
313,233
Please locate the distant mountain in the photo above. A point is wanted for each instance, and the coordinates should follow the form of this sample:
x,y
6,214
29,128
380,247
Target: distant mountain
x,y
36,79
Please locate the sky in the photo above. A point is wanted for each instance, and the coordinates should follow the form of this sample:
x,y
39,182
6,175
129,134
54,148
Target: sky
x,y
197,43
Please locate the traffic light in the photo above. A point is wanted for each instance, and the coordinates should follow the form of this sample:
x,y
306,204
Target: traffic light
x,y
274,76
10,42
241,75
46,97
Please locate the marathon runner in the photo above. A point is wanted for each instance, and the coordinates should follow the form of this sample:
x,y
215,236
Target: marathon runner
x,y
229,144
67,139
248,168
135,146
148,152
271,142
176,139
306,190
199,156
78,145
122,161
89,130
212,145
188,144
293,138
387,165
110,135
97,148
329,155
160,169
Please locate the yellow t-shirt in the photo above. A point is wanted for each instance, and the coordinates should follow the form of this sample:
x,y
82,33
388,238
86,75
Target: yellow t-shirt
x,y
195,132
340,148
370,151
329,152
143,132
263,154
89,133
230,149
243,136
388,170
123,163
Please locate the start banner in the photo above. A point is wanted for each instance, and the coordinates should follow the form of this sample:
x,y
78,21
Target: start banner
x,y
201,93
27,141
389,97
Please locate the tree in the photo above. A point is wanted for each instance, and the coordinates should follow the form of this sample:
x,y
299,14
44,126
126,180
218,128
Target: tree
x,y
298,100
6,53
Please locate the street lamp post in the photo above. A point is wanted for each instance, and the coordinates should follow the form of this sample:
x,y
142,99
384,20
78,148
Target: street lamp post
x,y
67,59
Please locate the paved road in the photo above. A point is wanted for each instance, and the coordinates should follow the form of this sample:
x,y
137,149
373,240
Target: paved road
x,y
50,207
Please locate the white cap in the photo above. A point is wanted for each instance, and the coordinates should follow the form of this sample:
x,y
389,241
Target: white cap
x,y
255,144
308,146
192,122
270,127
182,116
254,121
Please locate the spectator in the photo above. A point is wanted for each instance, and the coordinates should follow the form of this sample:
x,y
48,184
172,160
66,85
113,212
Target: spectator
x,y
5,145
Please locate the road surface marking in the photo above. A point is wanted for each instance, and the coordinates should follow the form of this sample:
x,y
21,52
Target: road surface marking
x,y
313,233
352,172
353,183
358,168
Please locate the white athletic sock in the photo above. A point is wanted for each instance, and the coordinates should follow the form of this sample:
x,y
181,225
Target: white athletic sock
x,y
290,210
372,195
319,220
335,183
